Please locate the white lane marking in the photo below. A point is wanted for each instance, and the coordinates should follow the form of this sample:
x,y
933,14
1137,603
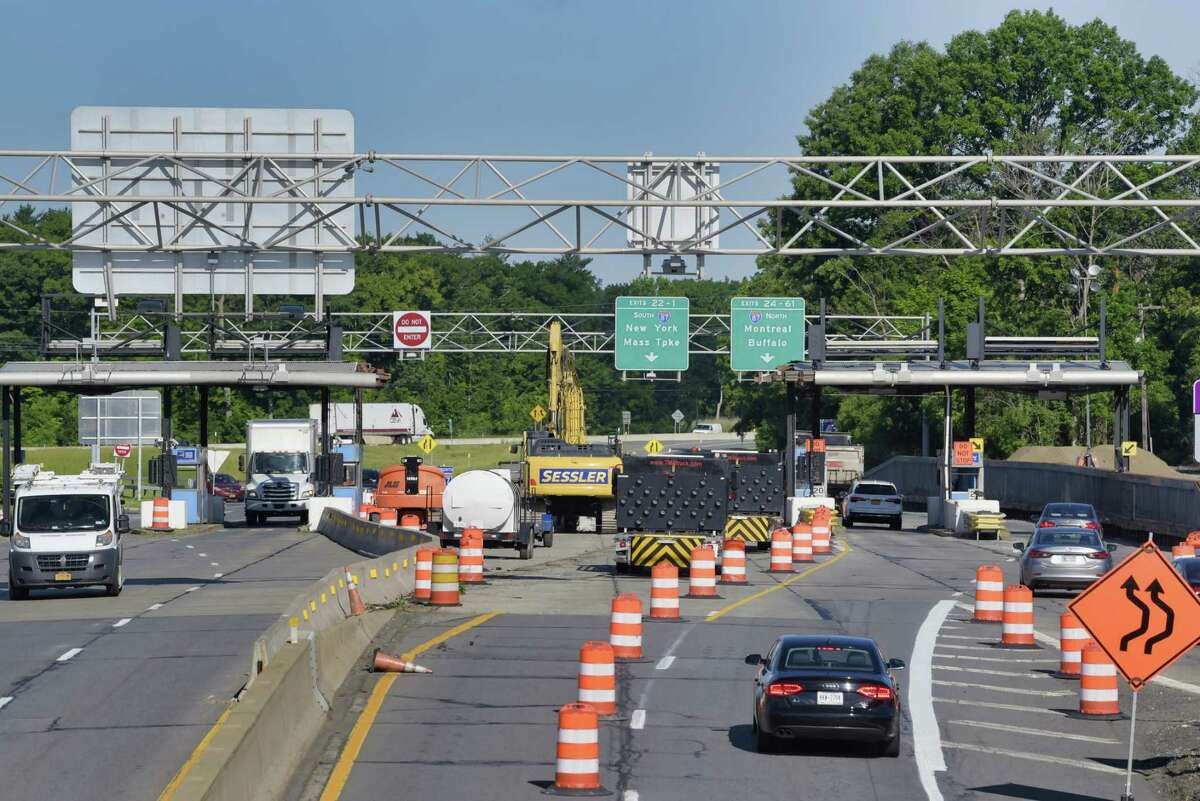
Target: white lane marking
x,y
638,719
174,539
69,655
997,659
968,647
153,607
993,687
664,663
1176,684
989,672
190,546
629,795
215,564
5,701
981,724
1040,710
121,622
203,554
1071,763
927,739
217,575
957,595
191,589
974,637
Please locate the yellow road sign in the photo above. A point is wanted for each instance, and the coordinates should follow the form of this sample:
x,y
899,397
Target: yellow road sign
x,y
977,444
537,413
653,447
427,444
1129,448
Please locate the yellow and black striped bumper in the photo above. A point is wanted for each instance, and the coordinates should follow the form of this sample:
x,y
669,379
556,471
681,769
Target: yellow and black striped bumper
x,y
647,550
750,530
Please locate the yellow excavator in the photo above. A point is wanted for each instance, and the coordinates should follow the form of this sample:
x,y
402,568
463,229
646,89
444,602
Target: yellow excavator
x,y
569,483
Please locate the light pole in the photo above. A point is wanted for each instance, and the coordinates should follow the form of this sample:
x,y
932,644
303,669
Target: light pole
x,y
1085,281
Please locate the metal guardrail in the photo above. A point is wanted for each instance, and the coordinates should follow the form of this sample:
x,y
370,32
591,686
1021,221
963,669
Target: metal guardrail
x,y
1166,506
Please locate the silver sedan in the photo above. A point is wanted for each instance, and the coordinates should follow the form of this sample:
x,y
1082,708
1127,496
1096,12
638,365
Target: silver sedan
x,y
1063,558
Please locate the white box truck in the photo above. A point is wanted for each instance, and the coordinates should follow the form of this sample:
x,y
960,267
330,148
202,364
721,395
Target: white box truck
x,y
66,530
402,422
280,459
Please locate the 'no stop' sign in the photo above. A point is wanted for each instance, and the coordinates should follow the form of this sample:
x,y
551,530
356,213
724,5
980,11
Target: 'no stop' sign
x,y
410,330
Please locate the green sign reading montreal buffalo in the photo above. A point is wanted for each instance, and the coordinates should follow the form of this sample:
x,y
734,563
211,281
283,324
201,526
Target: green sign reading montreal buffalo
x,y
765,333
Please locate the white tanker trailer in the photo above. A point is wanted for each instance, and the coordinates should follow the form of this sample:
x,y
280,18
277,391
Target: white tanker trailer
x,y
489,501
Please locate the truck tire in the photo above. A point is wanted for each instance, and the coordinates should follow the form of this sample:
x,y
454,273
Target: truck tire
x,y
118,583
252,519
16,593
547,539
304,518
525,550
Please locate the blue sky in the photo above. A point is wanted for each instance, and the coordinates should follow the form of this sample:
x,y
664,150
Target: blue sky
x,y
522,76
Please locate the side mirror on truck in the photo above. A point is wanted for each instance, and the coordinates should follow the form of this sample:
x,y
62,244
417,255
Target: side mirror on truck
x,y
5,528
242,462
122,523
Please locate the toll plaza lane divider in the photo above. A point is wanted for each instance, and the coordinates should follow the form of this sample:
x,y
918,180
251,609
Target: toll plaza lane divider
x,y
296,665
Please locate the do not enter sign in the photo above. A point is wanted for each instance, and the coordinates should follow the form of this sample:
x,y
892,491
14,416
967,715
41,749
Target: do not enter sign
x,y
122,451
411,330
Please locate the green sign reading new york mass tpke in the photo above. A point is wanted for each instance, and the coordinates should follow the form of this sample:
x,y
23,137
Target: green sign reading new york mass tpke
x,y
765,333
651,334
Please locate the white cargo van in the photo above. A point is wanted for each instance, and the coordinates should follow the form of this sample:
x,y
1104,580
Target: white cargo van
x,y
66,531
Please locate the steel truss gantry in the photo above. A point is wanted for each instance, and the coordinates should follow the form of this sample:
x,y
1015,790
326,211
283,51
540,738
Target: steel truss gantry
x,y
967,205
279,335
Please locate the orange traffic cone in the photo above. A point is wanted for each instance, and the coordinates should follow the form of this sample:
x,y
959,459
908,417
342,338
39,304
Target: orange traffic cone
x,y
385,663
357,607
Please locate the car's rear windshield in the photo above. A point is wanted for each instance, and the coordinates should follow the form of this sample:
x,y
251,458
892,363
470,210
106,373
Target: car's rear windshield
x,y
875,489
1058,536
829,656
1072,510
1191,571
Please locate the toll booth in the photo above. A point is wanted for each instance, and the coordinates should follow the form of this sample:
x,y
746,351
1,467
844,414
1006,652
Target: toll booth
x,y
190,485
350,483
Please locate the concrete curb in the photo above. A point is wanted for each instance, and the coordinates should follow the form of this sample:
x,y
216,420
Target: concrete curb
x,y
252,752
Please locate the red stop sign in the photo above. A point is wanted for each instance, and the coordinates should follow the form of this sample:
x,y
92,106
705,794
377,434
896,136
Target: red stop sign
x,y
121,451
412,329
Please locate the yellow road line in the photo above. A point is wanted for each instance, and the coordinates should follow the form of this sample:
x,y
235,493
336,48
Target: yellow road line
x,y
181,774
366,718
754,597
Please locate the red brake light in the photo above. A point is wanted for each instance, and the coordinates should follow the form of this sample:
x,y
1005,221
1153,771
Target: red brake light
x,y
1037,553
876,692
1097,554
780,688
1047,524
1090,524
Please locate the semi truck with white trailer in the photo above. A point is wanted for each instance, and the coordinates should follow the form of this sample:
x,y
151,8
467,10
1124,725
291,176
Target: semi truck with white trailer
x,y
402,422
279,462
66,530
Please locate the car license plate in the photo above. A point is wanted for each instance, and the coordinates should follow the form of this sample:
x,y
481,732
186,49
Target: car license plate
x,y
829,699
279,505
874,503
62,575
1062,559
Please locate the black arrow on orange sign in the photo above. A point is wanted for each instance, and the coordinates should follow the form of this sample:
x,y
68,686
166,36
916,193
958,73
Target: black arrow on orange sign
x,y
1130,586
1155,589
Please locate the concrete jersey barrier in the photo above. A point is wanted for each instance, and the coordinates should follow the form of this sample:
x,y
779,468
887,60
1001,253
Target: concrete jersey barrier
x,y
365,537
1134,502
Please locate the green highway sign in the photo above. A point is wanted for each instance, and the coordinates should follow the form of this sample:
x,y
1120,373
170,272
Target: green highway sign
x,y
651,334
765,333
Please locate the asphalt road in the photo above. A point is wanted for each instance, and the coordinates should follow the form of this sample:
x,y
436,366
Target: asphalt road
x,y
107,697
483,725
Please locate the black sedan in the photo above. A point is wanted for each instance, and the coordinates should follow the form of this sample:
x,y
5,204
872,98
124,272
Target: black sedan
x,y
826,687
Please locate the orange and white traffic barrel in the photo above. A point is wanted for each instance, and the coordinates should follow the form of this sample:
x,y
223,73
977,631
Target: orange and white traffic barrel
x,y
470,556
410,520
1016,629
387,517
161,516
802,543
577,762
1098,699
822,532
1183,549
989,594
424,574
364,511
664,592
1193,538
733,562
1071,638
625,626
781,551
598,677
702,573
444,584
